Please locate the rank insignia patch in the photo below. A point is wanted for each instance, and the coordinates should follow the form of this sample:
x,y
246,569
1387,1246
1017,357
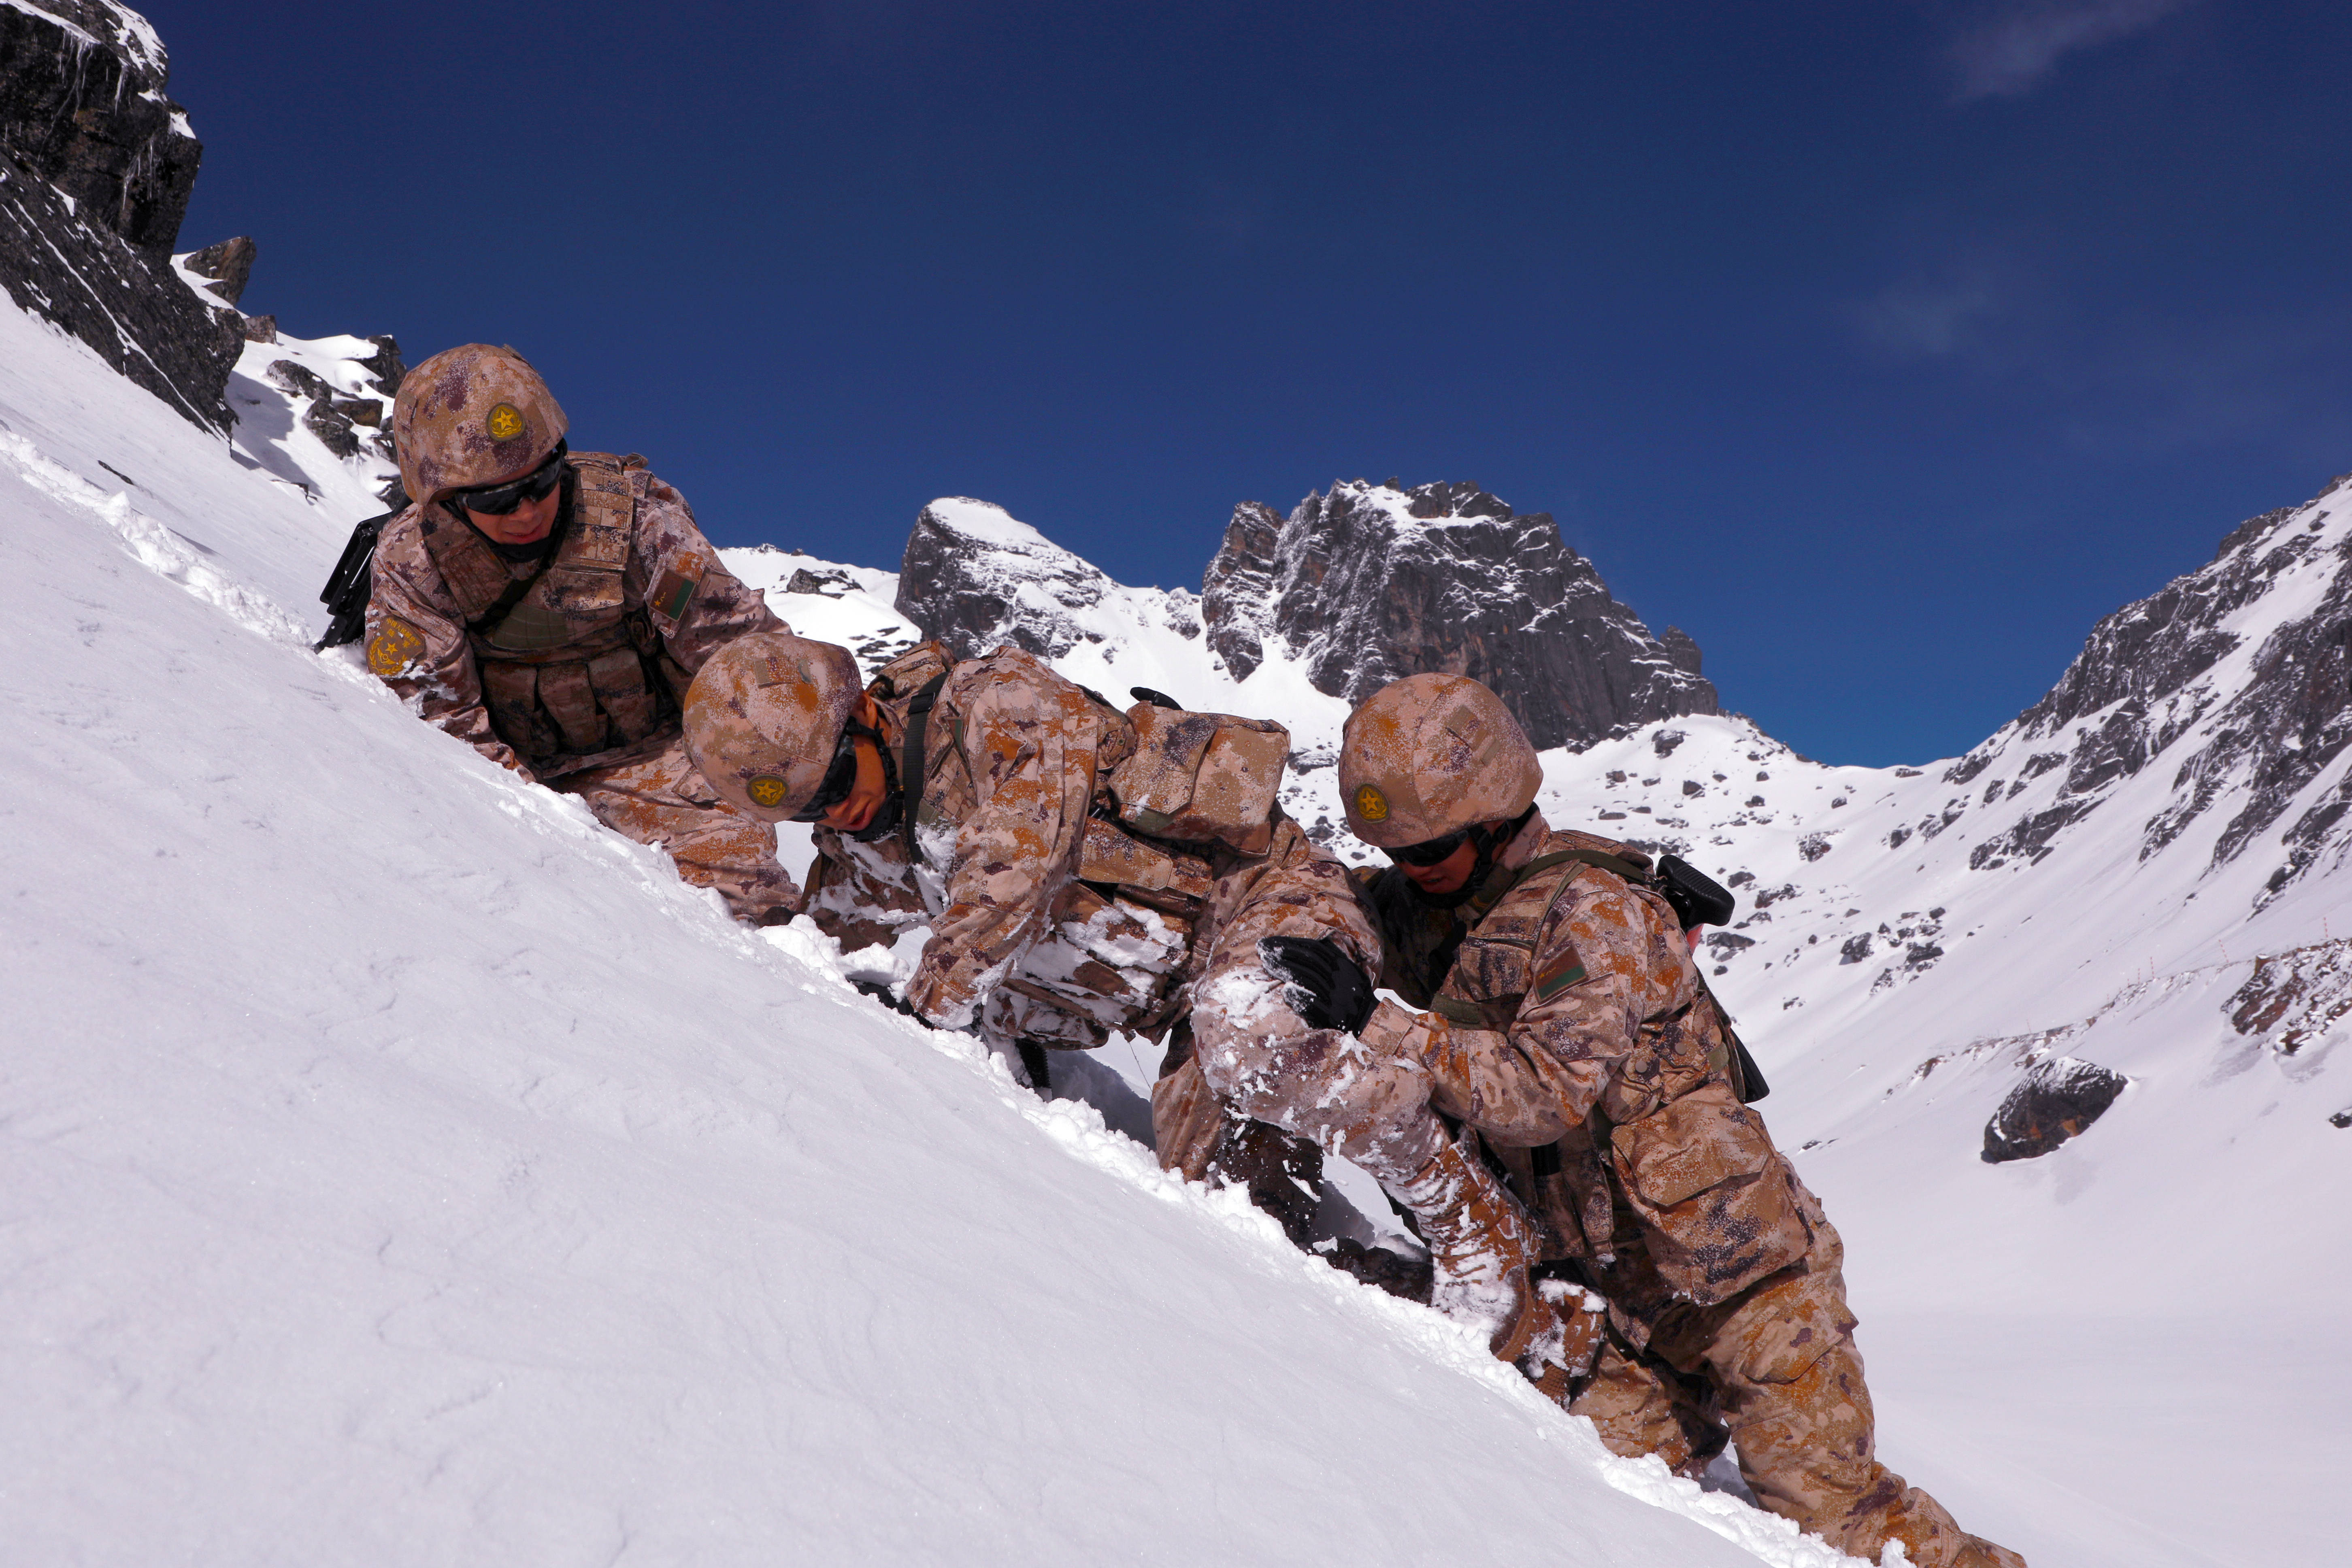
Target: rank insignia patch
x,y
1370,804
674,593
767,791
394,647
504,422
1566,969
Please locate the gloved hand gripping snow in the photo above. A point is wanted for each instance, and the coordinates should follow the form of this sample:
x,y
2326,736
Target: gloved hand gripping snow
x,y
1320,982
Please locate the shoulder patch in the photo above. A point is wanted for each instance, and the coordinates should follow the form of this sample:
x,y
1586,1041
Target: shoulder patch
x,y
394,647
1564,969
674,593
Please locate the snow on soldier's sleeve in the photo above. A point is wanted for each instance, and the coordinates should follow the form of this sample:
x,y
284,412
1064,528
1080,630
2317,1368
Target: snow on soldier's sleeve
x,y
1028,738
696,604
417,644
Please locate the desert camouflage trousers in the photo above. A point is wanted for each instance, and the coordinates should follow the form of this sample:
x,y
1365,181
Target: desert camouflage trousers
x,y
1775,1370
662,801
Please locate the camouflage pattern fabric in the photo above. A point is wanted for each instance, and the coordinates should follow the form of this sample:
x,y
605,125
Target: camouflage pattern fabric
x,y
1049,924
585,672
1566,1022
661,800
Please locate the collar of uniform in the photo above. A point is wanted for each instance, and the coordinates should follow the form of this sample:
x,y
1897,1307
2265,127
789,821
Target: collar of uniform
x,y
1525,843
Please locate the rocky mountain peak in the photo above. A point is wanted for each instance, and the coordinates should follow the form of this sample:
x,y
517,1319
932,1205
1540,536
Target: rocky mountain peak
x,y
1369,583
97,165
2237,676
975,577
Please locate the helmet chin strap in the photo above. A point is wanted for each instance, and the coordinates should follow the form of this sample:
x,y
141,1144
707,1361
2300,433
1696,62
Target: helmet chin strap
x,y
1488,843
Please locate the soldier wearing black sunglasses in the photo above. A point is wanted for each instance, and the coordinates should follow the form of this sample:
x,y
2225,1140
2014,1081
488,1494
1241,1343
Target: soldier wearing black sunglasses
x,y
549,607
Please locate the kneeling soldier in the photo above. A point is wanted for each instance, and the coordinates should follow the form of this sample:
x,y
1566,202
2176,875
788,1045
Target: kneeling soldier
x,y
1569,1037
548,608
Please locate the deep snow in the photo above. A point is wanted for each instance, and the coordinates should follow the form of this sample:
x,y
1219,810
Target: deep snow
x,y
397,1167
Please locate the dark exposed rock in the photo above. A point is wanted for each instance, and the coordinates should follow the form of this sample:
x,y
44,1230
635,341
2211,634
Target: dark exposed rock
x,y
2058,1098
229,264
261,329
973,578
1236,590
1370,583
359,410
2294,997
385,364
1814,846
830,585
1855,950
82,105
297,380
95,164
333,431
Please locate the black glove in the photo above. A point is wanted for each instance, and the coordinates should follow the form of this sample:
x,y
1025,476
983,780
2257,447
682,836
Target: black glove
x,y
1320,982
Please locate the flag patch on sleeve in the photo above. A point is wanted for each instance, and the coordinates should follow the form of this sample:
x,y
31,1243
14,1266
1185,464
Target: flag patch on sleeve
x,y
1559,972
674,593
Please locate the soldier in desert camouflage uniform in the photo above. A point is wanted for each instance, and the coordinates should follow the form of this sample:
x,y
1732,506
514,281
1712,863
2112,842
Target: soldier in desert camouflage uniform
x,y
549,607
1567,1029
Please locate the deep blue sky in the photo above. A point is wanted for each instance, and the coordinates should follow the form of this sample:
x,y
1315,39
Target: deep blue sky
x,y
1882,345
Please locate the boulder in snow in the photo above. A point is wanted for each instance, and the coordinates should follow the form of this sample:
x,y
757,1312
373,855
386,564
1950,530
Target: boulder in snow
x,y
2059,1098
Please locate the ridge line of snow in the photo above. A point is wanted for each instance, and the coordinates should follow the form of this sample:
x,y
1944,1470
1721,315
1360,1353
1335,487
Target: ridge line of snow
x,y
152,544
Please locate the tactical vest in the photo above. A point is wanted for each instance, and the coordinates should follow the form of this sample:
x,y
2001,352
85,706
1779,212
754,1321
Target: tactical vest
x,y
572,673
1727,1056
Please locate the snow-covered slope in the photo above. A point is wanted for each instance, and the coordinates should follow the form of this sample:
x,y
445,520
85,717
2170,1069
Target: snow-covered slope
x,y
2047,1343
398,1168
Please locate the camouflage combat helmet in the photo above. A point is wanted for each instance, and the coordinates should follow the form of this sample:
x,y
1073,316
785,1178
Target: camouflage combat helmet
x,y
472,416
764,716
1429,755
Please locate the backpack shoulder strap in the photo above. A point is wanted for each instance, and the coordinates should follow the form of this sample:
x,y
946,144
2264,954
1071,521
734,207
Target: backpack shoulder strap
x,y
910,771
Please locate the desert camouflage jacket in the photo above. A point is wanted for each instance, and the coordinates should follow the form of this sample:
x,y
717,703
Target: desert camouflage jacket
x,y
1012,758
587,668
1568,1029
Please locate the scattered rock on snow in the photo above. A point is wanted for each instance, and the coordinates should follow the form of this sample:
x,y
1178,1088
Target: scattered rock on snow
x,y
2059,1098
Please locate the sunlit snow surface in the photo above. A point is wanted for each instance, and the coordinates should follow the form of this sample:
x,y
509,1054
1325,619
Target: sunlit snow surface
x,y
399,1168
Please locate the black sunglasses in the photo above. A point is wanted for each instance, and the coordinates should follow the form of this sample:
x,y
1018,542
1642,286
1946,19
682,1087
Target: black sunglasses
x,y
499,500
841,777
1430,852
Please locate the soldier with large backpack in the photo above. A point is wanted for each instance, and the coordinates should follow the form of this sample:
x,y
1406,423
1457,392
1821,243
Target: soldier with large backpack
x,y
1561,1052
549,607
1081,869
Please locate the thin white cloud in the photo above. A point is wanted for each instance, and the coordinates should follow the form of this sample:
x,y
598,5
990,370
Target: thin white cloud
x,y
2014,50
1923,318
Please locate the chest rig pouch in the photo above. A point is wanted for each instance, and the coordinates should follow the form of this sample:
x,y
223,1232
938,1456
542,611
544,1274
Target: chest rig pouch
x,y
1202,778
569,670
